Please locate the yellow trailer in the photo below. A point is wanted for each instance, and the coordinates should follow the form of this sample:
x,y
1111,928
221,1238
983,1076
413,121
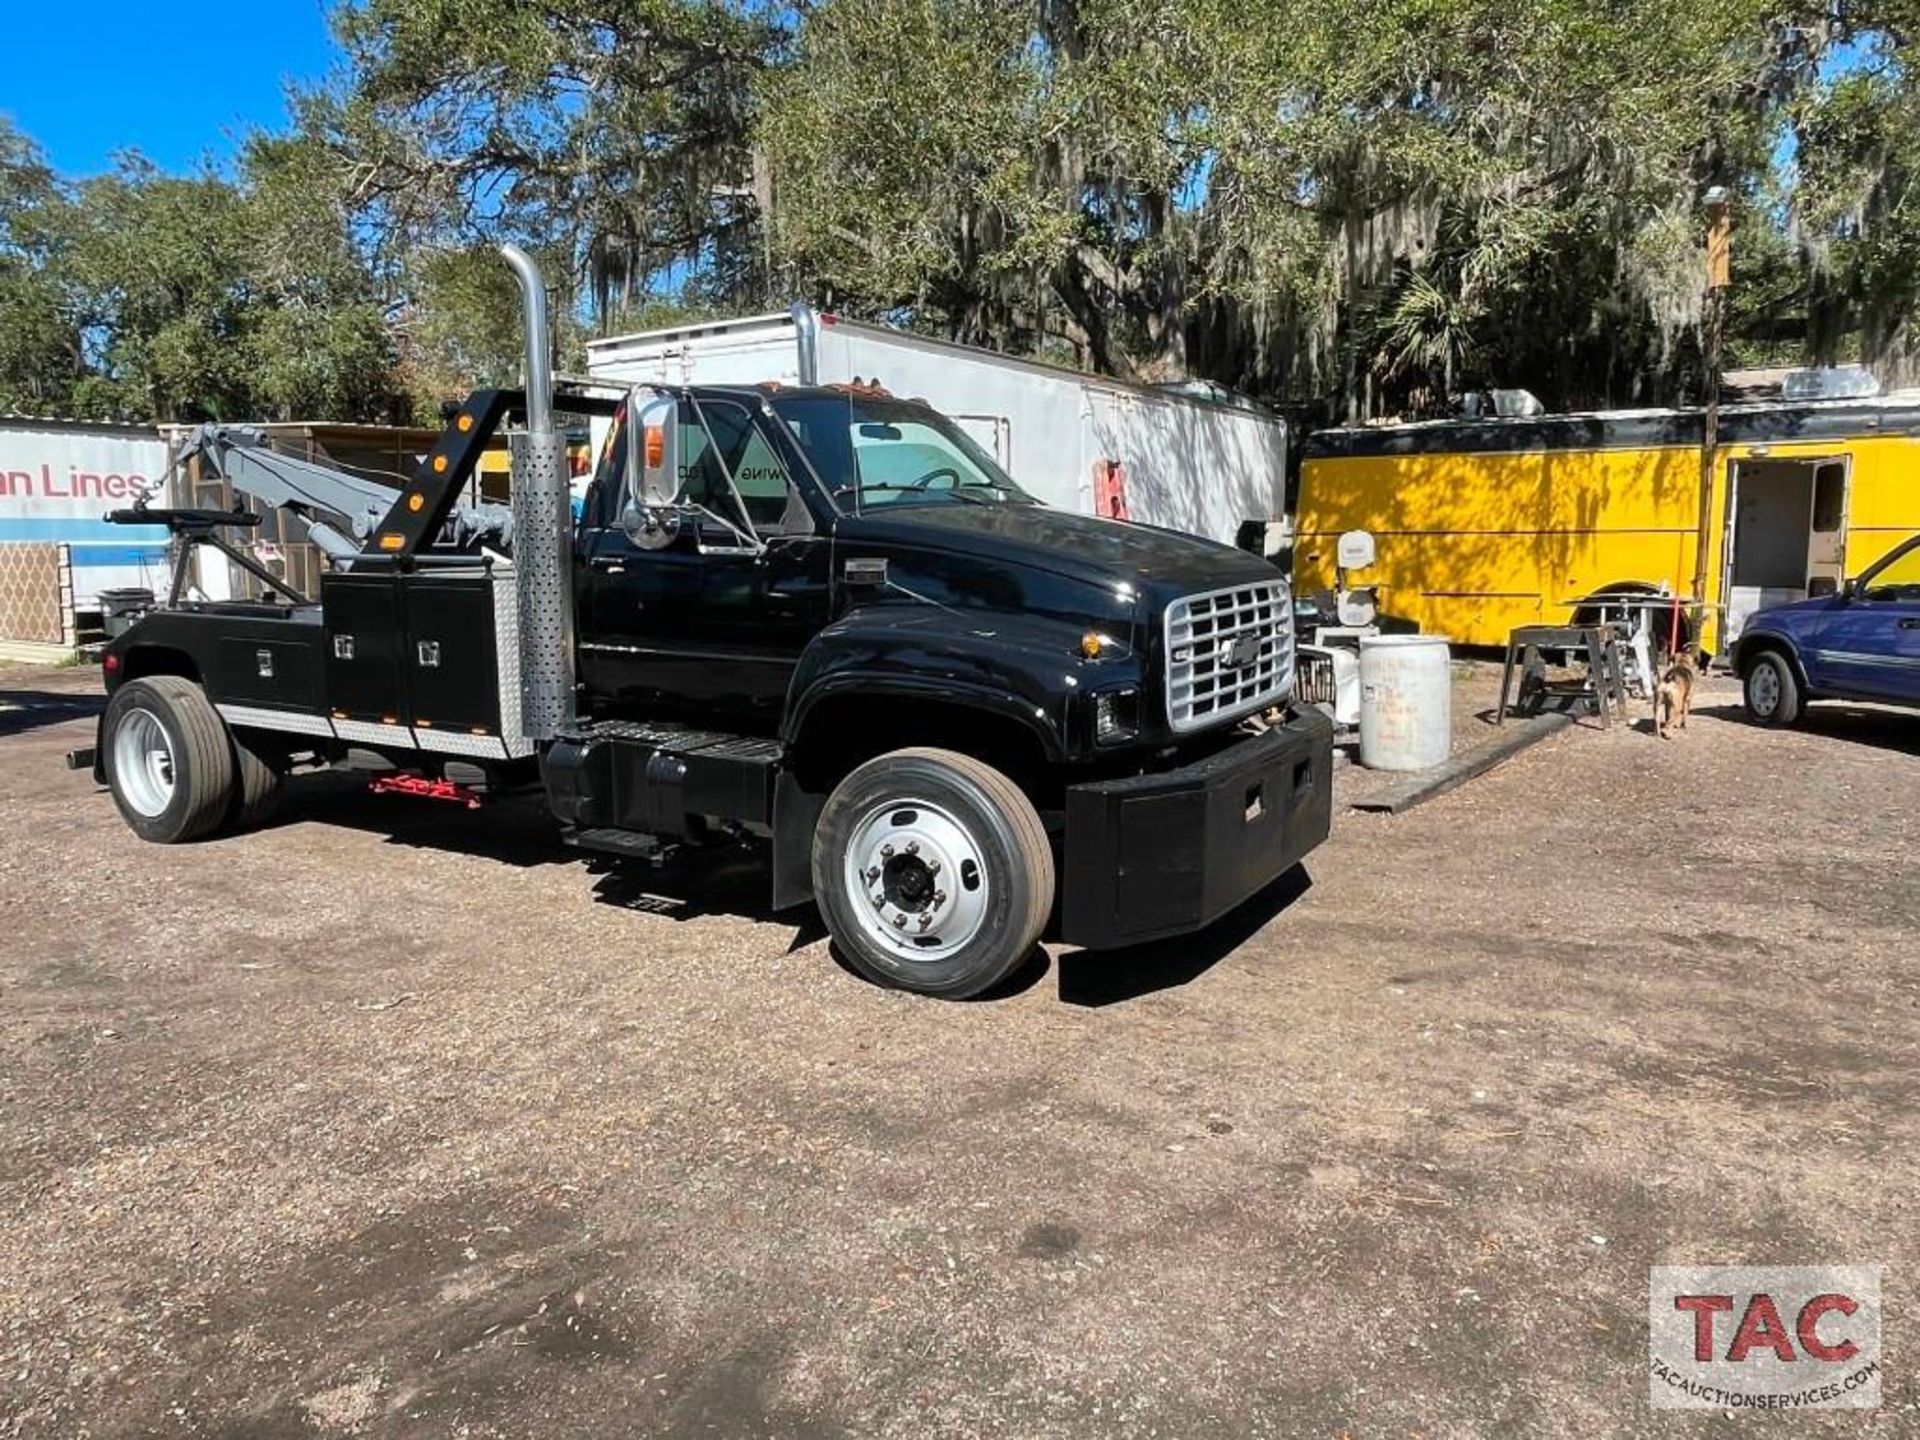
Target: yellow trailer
x,y
1483,525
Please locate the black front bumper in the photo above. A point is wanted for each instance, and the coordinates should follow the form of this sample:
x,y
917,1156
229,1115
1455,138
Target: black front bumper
x,y
1167,853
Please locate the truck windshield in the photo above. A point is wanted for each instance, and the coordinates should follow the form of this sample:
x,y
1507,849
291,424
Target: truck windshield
x,y
876,450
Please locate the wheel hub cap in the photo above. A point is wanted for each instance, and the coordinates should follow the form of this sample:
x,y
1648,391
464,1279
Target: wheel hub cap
x,y
143,762
916,879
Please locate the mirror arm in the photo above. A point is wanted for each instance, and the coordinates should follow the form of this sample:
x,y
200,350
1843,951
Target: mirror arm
x,y
749,536
746,537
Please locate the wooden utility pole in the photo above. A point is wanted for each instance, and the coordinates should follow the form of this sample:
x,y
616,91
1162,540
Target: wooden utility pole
x,y
1713,320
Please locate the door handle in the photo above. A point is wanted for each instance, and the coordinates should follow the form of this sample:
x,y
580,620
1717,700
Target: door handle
x,y
608,564
1912,622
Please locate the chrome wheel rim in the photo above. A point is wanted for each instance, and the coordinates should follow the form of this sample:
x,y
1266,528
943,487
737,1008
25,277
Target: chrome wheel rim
x,y
143,764
1763,689
915,878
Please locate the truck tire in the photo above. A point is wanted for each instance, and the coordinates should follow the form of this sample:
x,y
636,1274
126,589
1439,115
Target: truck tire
x,y
933,872
168,761
259,767
1771,692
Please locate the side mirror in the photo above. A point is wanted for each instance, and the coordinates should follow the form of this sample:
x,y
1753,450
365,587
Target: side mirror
x,y
653,449
647,510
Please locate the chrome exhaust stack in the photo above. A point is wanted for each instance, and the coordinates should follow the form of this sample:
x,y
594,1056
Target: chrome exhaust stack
x,y
806,339
542,529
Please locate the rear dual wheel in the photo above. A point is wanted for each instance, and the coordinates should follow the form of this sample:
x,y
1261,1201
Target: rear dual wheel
x,y
933,872
175,771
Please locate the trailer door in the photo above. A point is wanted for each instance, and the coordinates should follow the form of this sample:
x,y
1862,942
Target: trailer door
x,y
1827,542
1788,533
992,433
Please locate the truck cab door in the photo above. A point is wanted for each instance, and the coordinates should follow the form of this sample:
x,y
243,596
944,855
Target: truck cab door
x,y
711,624
1869,644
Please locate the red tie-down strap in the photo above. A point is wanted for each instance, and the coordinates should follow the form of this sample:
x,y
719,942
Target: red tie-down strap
x,y
425,788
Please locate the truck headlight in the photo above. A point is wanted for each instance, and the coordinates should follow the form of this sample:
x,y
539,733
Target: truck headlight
x,y
1116,716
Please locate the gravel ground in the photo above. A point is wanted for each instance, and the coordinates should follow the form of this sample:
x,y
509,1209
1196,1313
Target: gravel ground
x,y
396,1121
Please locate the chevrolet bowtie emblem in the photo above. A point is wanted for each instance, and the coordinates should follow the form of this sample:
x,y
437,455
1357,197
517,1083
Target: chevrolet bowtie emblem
x,y
1239,652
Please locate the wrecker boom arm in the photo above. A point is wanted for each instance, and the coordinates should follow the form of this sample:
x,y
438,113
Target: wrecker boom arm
x,y
329,500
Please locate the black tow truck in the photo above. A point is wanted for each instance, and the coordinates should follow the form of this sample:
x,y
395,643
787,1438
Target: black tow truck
x,y
819,616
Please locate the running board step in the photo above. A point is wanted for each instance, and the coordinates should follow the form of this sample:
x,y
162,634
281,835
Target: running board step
x,y
628,844
659,780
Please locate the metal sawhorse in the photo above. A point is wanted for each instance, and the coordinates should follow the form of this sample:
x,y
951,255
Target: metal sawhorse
x,y
1598,645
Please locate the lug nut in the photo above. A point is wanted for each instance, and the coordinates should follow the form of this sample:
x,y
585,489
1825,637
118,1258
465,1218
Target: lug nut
x,y
874,873
925,921
933,867
939,897
913,847
900,921
887,851
880,900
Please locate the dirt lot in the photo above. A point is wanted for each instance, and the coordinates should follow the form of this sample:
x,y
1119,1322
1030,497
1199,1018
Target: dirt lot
x,y
330,1129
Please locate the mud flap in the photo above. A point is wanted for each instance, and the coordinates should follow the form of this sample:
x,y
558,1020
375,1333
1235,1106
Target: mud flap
x,y
796,816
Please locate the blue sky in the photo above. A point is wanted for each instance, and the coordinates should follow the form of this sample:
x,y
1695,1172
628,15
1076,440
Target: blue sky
x,y
179,80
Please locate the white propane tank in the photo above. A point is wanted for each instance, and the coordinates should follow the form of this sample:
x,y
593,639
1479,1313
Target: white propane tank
x,y
1406,702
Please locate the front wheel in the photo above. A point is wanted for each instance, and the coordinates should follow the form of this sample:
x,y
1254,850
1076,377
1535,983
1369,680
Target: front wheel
x,y
933,872
1772,694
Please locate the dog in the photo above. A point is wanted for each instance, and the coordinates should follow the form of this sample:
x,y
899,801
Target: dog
x,y
1673,696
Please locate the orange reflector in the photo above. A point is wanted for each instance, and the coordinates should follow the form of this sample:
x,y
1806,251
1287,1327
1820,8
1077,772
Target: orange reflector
x,y
1090,645
414,502
656,446
391,541
464,423
477,730
389,719
423,724
439,464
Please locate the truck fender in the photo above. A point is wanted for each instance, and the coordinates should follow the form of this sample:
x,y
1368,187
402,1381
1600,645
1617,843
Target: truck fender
x,y
1012,666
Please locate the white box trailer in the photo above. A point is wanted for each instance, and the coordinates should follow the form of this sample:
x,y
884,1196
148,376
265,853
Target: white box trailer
x,y
59,477
1202,460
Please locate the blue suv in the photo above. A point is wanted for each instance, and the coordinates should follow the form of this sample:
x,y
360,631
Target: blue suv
x,y
1861,644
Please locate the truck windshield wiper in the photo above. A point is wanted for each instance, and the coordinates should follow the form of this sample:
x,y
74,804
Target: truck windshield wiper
x,y
872,486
